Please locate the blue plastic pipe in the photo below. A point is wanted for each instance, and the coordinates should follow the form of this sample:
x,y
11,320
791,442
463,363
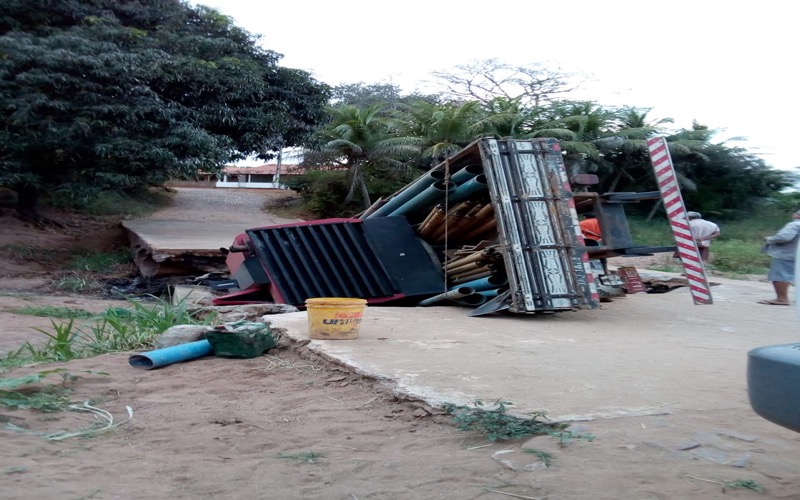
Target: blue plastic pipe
x,y
431,196
469,188
474,300
408,193
169,355
489,294
456,293
466,174
485,283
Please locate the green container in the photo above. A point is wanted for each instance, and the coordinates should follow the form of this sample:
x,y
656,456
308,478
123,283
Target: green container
x,y
240,340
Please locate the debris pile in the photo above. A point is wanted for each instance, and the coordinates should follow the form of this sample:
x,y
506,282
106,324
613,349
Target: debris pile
x,y
500,211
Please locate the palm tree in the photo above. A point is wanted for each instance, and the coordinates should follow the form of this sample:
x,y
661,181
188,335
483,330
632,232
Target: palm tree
x,y
362,138
444,129
510,118
624,147
578,126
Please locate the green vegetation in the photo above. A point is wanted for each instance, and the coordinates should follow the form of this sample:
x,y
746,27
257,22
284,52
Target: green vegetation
x,y
75,283
52,312
98,262
747,484
115,330
136,202
84,266
545,457
497,425
48,399
736,251
375,134
199,92
30,253
17,393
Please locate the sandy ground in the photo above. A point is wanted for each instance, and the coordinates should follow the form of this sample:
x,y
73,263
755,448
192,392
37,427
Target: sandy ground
x,y
293,425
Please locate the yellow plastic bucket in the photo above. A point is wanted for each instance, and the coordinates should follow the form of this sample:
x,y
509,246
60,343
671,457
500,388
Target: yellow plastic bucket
x,y
334,318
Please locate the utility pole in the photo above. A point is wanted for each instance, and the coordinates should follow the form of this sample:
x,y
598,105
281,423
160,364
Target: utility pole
x,y
277,177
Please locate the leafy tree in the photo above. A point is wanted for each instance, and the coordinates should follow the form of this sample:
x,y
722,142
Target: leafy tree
x,y
483,81
361,94
110,94
728,178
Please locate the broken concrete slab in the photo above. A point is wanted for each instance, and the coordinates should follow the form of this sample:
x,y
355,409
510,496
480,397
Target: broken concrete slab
x,y
169,246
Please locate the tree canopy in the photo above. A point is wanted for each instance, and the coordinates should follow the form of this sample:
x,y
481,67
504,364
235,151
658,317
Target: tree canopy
x,y
376,125
123,94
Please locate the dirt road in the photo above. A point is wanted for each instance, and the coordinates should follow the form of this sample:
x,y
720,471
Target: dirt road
x,y
294,425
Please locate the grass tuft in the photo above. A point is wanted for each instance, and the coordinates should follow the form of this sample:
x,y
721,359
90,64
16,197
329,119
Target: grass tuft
x,y
545,457
98,262
30,253
52,312
496,424
18,393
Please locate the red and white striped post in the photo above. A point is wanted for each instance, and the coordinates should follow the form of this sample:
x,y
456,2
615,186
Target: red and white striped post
x,y
676,212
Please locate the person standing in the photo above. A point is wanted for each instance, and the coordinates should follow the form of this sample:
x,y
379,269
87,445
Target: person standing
x,y
592,235
703,232
590,227
782,247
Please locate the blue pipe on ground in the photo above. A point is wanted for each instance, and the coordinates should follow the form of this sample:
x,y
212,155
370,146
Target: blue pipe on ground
x,y
485,283
432,195
453,294
469,188
489,293
169,355
408,193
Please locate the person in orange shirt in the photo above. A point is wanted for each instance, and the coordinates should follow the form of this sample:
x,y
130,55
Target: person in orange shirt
x,y
592,235
590,227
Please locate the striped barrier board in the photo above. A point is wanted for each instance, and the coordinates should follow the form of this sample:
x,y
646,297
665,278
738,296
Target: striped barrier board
x,y
676,212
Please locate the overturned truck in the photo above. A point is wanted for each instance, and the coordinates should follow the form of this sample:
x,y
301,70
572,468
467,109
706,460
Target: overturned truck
x,y
494,227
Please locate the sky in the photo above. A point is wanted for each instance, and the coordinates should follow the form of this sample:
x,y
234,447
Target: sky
x,y
729,65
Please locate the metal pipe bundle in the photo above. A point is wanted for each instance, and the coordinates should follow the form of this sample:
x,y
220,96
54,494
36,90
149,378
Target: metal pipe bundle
x,y
466,174
473,257
466,279
488,227
458,224
457,217
431,222
407,194
430,195
464,275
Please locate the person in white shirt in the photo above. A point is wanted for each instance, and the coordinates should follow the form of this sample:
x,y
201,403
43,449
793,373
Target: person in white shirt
x,y
703,231
782,247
